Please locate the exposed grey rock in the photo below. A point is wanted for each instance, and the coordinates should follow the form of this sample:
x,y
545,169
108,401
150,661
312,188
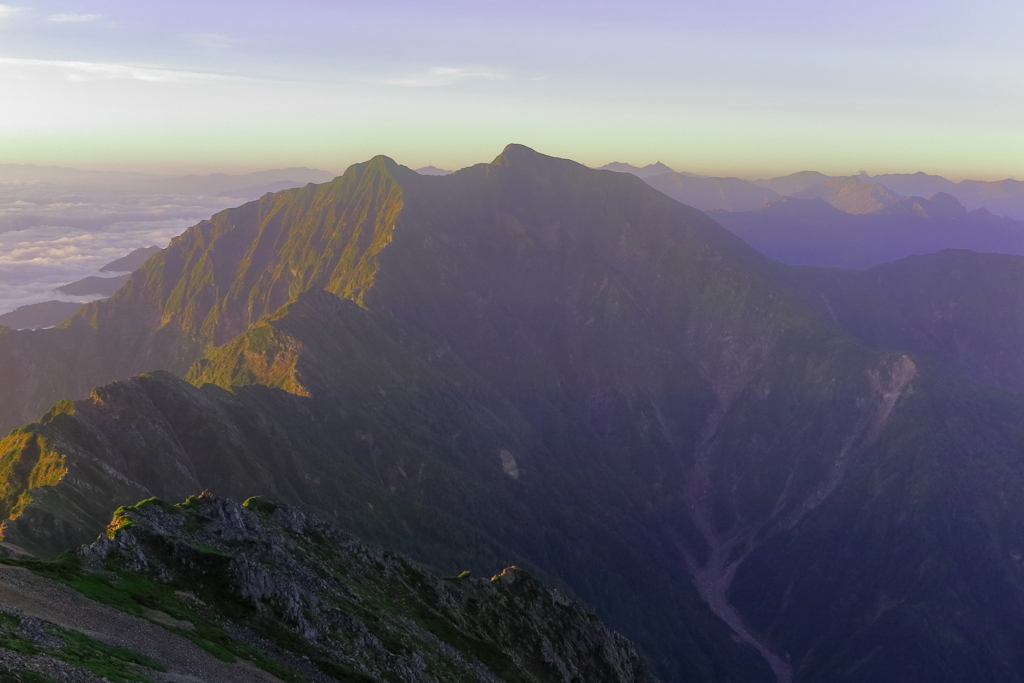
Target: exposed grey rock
x,y
324,602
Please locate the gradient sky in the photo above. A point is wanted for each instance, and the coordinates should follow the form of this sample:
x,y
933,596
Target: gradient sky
x,y
729,87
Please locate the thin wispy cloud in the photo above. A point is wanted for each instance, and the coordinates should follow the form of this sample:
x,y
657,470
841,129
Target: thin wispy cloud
x,y
73,18
211,40
6,11
442,76
99,70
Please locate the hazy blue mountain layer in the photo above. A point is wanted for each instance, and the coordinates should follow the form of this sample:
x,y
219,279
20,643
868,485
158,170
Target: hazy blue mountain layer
x,y
654,169
851,195
1001,197
44,314
94,286
812,232
131,262
730,194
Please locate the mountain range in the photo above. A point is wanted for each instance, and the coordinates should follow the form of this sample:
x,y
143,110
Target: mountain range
x,y
755,471
94,286
854,194
815,232
43,314
647,171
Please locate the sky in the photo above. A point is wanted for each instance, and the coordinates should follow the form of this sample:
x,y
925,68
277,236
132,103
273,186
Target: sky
x,y
730,87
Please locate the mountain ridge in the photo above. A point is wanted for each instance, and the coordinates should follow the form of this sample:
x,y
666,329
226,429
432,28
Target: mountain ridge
x,y
534,359
811,232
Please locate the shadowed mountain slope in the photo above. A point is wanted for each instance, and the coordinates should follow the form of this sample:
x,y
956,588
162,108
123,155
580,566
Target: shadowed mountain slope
x,y
959,307
566,368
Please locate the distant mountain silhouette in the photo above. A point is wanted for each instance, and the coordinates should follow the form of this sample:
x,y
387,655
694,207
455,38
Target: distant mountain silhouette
x,y
731,194
131,262
98,286
257,191
433,170
813,232
791,184
1003,197
657,168
219,183
44,314
914,184
851,194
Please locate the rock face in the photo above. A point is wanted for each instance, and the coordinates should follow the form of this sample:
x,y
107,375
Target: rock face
x,y
348,611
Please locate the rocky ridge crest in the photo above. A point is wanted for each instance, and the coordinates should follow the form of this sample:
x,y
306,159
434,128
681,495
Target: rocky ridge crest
x,y
334,608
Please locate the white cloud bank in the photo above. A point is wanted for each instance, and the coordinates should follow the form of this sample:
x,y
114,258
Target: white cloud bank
x,y
99,70
36,261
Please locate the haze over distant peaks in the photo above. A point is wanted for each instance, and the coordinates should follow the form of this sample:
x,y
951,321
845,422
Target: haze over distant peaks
x,y
939,205
731,194
433,170
43,314
793,183
851,194
813,232
94,286
131,262
217,183
257,191
918,184
647,171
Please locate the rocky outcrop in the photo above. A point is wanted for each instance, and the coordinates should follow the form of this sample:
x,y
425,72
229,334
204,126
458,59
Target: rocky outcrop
x,y
324,602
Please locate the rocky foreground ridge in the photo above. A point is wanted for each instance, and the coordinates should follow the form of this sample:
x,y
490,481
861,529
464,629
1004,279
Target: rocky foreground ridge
x,y
258,584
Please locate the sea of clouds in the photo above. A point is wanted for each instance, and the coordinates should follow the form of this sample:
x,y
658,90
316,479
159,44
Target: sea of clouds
x,y
35,261
60,225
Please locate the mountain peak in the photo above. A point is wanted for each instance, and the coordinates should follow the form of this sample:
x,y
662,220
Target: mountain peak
x,y
516,153
433,170
851,194
647,171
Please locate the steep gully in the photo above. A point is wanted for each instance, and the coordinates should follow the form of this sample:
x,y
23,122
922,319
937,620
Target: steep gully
x,y
728,549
